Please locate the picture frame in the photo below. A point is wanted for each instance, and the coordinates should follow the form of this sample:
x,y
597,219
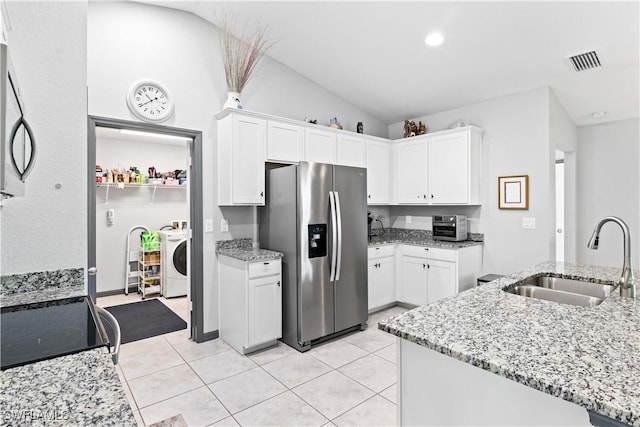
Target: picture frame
x,y
513,192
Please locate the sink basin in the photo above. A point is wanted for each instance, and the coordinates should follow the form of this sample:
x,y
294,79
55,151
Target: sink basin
x,y
566,291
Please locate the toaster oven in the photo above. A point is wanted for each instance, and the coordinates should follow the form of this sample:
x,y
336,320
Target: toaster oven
x,y
451,228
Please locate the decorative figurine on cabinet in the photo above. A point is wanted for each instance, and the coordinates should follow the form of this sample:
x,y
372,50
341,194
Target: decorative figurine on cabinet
x,y
360,127
422,129
334,123
411,129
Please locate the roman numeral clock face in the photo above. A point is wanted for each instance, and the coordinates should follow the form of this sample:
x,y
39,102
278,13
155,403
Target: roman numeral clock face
x,y
149,101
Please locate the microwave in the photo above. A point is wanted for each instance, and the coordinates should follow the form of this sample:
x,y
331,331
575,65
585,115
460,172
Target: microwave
x,y
452,228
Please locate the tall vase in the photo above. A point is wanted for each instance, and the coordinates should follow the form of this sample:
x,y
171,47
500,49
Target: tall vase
x,y
233,101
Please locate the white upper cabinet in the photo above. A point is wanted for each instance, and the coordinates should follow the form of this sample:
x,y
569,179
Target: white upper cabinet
x,y
378,172
241,157
442,168
454,168
285,142
351,151
411,172
319,146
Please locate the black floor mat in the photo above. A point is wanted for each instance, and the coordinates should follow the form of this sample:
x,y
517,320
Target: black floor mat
x,y
144,319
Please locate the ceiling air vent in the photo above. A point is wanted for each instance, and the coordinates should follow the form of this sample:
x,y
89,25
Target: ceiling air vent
x,y
585,61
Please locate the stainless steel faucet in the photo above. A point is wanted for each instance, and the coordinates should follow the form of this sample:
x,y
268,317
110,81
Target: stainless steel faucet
x,y
626,282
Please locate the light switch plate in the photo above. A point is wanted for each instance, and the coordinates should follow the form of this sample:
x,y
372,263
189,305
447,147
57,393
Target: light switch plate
x,y
224,225
408,221
529,223
208,226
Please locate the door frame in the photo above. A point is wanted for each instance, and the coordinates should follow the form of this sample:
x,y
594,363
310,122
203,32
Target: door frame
x,y
195,209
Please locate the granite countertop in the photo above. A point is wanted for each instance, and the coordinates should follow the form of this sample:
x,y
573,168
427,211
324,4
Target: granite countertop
x,y
79,389
586,355
422,238
242,249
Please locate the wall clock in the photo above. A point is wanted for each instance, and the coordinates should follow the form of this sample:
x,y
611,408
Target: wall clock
x,y
150,101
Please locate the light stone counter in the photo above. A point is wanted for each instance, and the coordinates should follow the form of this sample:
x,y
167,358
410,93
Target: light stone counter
x,y
588,356
79,389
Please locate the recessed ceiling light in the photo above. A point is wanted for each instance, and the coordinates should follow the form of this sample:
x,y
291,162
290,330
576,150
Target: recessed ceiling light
x,y
434,39
598,114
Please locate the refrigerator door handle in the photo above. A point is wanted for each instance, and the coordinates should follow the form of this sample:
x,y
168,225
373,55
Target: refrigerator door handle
x,y
339,217
334,236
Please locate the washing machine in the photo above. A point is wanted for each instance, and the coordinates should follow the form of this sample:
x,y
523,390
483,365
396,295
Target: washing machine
x,y
174,246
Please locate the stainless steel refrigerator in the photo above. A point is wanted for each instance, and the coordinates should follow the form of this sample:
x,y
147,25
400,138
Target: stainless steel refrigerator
x,y
316,215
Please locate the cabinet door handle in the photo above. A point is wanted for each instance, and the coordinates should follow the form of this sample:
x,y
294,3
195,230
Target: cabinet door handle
x,y
265,263
377,249
424,196
369,196
426,249
278,283
428,266
262,194
432,196
424,266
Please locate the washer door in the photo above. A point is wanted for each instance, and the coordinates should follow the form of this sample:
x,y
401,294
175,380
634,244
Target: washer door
x,y
180,258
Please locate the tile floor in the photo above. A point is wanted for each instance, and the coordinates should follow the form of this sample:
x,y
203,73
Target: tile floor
x,y
349,381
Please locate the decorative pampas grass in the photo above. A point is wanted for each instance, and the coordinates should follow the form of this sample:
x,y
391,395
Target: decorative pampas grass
x,y
241,50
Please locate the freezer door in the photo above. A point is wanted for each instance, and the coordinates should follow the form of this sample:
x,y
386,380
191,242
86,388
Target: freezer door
x,y
351,289
315,290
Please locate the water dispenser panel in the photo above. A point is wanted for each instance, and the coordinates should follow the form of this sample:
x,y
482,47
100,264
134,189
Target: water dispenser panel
x,y
317,240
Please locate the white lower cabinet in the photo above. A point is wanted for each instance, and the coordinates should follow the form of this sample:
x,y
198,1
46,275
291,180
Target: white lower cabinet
x,y
430,274
382,289
250,301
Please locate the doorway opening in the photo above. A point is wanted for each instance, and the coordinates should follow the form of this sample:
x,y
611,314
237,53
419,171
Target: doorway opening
x,y
560,190
160,158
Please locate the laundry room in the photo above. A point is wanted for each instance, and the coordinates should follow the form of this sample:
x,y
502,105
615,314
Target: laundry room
x,y
142,207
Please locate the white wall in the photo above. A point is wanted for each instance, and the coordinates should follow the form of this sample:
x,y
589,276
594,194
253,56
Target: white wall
x,y
133,205
515,142
609,184
125,45
563,135
47,229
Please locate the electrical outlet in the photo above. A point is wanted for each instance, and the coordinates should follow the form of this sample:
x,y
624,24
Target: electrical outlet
x,y
529,223
408,221
208,226
224,225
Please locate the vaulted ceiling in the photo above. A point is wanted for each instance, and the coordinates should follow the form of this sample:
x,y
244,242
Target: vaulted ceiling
x,y
373,54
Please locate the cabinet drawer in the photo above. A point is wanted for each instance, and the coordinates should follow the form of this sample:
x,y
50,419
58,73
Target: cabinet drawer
x,y
264,268
380,251
433,253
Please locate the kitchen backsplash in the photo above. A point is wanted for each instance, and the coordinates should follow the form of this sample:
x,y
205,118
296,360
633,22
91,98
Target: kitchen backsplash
x,y
414,234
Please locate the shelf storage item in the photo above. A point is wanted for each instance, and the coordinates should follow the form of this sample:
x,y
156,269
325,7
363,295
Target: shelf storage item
x,y
149,265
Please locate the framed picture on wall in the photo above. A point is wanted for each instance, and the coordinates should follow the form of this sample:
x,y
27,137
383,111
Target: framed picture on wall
x,y
513,192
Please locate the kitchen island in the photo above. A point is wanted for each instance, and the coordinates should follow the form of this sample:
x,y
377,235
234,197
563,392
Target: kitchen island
x,y
77,389
541,362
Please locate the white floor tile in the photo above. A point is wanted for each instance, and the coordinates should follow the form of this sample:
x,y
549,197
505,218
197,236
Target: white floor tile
x,y
163,385
221,365
337,353
371,340
198,407
191,350
333,394
296,369
390,393
376,411
271,354
149,362
227,422
389,353
138,418
246,389
178,337
127,391
285,409
136,348
372,371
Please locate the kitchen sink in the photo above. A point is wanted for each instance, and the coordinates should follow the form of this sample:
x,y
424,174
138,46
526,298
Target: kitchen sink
x,y
566,291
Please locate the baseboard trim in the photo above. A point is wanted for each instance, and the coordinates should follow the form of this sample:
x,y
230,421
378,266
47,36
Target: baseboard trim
x,y
208,336
132,289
